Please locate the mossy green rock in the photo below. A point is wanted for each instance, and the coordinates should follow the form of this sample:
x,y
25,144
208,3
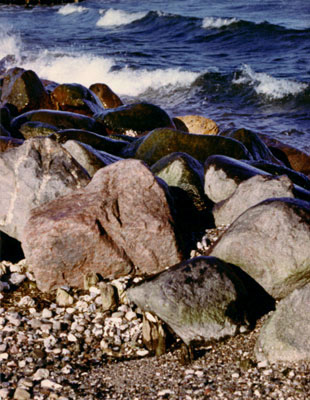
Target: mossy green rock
x,y
134,119
32,129
183,171
161,142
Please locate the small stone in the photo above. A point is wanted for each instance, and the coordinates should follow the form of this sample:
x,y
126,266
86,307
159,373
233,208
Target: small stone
x,y
72,338
26,301
90,279
67,369
142,353
21,394
235,375
3,347
4,286
262,364
165,392
40,374
46,313
16,278
130,315
63,298
48,384
4,356
108,297
4,394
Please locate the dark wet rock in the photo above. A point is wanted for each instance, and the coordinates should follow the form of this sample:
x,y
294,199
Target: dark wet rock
x,y
88,157
285,335
5,117
271,242
106,95
134,119
183,171
224,174
73,97
120,223
10,249
34,173
202,299
31,129
248,194
254,144
9,142
96,141
4,131
298,178
196,124
59,119
161,142
24,90
297,159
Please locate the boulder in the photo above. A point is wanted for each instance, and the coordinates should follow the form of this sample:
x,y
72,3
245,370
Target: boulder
x,y
161,142
285,335
5,117
196,124
106,96
31,129
202,299
224,174
134,119
121,223
34,173
183,171
296,159
254,144
24,90
270,242
298,178
249,193
4,131
59,119
92,139
73,97
88,157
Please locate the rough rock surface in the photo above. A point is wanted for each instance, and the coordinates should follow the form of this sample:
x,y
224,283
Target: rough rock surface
x,y
248,194
7,143
34,173
285,335
161,142
224,174
88,157
196,124
271,242
183,171
201,299
120,223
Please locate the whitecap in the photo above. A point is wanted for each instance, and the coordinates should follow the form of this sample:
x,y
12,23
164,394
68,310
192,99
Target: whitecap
x,y
10,44
70,9
114,17
264,84
212,22
86,70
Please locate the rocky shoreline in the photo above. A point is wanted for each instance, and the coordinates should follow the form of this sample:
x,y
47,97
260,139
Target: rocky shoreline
x,y
145,256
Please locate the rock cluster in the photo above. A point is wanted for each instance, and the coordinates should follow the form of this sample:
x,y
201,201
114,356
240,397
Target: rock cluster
x,y
138,232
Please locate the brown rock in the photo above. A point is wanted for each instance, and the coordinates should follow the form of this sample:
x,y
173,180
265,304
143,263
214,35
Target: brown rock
x,y
107,97
9,142
120,223
196,124
24,90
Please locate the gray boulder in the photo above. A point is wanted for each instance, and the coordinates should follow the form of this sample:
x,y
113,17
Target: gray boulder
x,y
202,299
120,223
223,175
88,157
34,173
250,193
271,242
285,335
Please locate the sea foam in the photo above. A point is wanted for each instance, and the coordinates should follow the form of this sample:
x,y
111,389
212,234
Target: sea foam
x,y
264,84
212,22
114,17
87,69
70,9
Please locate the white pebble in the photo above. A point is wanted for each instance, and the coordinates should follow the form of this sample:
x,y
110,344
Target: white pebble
x,y
142,353
40,374
130,315
17,278
46,313
72,338
48,384
4,356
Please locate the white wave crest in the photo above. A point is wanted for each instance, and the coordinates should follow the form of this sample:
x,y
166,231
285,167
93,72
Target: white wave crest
x,y
114,17
212,22
10,44
70,9
87,70
264,84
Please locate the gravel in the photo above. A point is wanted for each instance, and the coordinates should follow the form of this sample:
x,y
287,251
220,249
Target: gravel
x,y
49,350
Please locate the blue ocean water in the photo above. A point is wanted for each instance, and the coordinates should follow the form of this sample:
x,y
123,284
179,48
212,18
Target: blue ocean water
x,y
245,64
